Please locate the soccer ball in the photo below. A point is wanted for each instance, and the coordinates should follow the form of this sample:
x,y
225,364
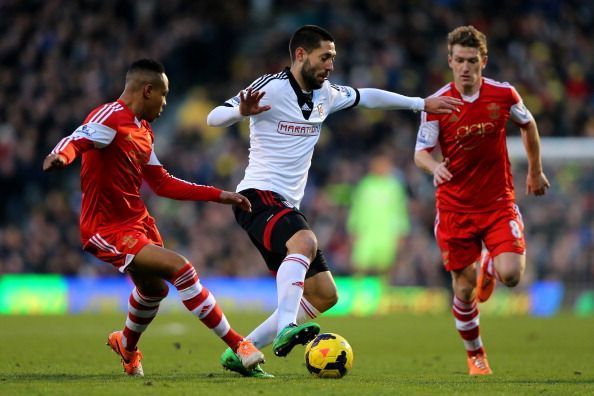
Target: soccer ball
x,y
328,356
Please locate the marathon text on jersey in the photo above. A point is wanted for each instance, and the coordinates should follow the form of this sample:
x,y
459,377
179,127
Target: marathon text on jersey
x,y
298,129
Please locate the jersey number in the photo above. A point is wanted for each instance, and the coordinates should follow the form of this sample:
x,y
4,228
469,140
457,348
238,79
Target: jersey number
x,y
515,229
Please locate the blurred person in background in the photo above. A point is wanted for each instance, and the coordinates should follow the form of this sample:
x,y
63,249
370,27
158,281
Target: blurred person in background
x,y
378,221
116,143
475,197
286,112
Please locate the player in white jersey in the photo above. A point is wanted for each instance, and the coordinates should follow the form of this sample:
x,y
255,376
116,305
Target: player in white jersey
x,y
286,112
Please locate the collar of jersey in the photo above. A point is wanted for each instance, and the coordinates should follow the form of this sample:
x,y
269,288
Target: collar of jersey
x,y
301,96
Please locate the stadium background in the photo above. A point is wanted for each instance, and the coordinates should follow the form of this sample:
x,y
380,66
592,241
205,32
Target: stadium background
x,y
60,59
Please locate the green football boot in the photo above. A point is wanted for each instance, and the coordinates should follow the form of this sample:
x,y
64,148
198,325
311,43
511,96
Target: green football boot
x,y
293,335
230,361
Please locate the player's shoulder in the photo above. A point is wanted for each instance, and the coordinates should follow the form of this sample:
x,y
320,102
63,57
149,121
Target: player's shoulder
x,y
495,85
270,80
502,90
446,90
110,114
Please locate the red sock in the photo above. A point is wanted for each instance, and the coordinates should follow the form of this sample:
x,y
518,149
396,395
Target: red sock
x,y
202,303
141,312
467,323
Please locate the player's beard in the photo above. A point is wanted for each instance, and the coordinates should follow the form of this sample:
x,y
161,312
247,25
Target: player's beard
x,y
308,73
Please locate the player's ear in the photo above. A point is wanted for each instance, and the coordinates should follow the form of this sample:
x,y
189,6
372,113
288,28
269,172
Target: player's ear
x,y
147,90
485,59
300,54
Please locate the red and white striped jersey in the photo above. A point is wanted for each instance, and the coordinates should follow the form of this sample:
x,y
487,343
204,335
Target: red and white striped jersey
x,y
117,155
474,141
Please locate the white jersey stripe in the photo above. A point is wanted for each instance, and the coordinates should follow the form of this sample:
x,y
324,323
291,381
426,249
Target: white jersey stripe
x,y
64,142
102,111
61,144
115,108
107,244
101,243
497,83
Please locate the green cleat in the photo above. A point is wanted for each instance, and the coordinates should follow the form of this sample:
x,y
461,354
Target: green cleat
x,y
293,335
230,361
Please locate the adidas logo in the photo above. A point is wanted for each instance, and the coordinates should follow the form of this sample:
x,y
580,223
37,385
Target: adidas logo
x,y
305,107
204,310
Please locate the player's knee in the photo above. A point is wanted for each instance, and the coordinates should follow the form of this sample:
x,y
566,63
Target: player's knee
x,y
511,279
510,273
160,290
152,286
465,291
303,242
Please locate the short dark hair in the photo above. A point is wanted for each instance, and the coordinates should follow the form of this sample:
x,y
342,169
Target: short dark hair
x,y
468,36
308,37
146,65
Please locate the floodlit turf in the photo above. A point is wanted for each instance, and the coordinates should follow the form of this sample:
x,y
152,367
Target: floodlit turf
x,y
396,354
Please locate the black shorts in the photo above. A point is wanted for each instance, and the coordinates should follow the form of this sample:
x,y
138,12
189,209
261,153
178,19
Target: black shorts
x,y
272,222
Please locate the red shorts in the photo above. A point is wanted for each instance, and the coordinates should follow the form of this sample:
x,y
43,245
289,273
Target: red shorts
x,y
118,246
460,236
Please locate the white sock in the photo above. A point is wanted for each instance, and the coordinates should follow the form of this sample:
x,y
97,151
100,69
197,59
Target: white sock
x,y
264,334
289,287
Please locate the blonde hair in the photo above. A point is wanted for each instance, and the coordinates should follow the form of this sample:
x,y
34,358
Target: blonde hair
x,y
468,36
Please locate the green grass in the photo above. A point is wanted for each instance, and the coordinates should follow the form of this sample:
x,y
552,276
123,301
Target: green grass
x,y
396,354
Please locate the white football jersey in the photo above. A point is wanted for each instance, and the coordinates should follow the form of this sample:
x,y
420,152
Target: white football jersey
x,y
282,139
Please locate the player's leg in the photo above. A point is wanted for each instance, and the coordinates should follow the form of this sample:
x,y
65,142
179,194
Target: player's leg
x,y
509,268
158,261
143,305
285,240
504,238
119,249
466,314
460,249
319,295
290,282
319,287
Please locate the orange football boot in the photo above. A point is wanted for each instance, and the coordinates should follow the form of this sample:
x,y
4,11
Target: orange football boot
x,y
130,360
248,354
478,365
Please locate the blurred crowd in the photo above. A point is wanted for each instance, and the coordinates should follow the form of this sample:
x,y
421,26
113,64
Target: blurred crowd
x,y
60,59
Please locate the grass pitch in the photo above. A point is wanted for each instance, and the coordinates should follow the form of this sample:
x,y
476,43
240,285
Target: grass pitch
x,y
395,354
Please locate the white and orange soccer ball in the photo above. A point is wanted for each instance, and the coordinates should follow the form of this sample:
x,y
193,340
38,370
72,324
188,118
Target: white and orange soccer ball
x,y
329,355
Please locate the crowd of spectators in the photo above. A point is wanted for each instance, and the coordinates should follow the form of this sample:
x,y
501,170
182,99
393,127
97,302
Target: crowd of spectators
x,y
60,59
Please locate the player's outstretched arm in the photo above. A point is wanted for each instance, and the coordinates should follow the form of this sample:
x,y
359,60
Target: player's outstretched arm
x,y
165,185
66,151
373,98
233,198
442,104
249,105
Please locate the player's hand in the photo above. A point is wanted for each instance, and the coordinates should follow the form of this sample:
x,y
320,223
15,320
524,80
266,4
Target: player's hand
x,y
537,184
442,104
441,174
233,198
250,102
53,161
